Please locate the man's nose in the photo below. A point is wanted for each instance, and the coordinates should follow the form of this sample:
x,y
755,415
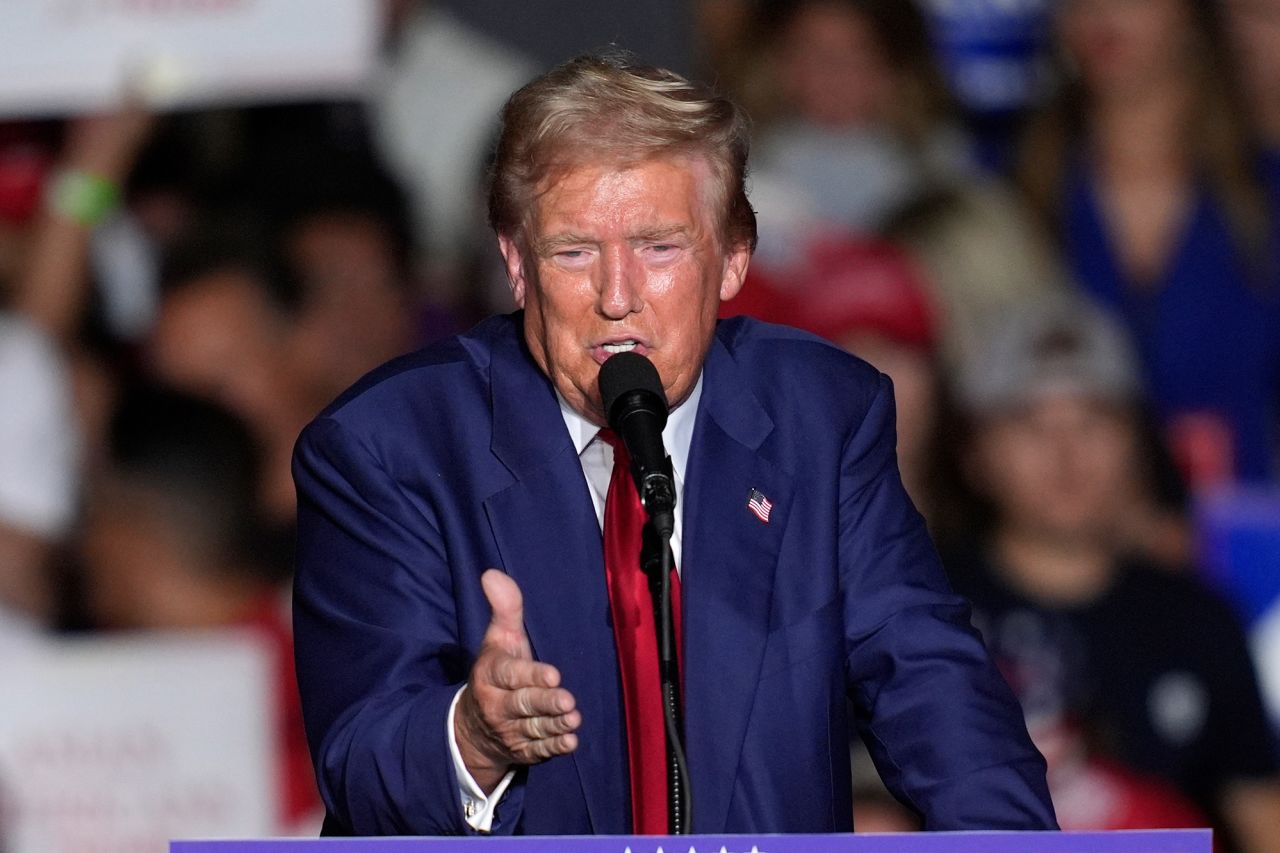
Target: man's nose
x,y
621,284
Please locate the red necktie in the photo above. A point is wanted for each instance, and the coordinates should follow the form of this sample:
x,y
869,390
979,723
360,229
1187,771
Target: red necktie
x,y
637,642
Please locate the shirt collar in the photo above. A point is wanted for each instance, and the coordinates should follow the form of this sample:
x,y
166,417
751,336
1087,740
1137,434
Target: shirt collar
x,y
677,435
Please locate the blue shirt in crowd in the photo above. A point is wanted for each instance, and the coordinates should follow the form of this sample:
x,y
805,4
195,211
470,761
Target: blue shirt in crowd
x,y
1208,330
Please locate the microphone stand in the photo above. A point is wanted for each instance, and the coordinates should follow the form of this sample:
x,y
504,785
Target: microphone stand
x,y
657,563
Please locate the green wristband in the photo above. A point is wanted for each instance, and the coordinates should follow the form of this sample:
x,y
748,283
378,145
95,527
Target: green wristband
x,y
82,197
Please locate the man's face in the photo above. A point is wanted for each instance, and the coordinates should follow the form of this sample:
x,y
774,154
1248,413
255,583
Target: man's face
x,y
1061,466
218,337
620,257
1121,47
833,70
1255,28
356,315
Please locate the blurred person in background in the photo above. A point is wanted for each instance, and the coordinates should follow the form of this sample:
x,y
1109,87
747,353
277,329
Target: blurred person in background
x,y
982,254
345,235
864,123
868,142
171,181
60,187
39,475
1255,30
1145,170
81,191
726,34
26,158
45,373
225,328
171,544
1082,626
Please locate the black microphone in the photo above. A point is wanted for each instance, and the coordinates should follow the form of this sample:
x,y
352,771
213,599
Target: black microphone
x,y
636,407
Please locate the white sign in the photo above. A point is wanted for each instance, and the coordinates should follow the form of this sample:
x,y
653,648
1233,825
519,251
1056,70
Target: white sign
x,y
117,746
67,56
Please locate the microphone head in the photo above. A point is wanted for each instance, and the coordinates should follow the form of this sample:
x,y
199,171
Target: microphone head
x,y
626,379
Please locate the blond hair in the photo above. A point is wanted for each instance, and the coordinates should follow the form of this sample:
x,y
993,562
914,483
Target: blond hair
x,y
607,108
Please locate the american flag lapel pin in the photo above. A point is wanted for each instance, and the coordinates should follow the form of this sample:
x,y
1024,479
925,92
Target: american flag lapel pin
x,y
760,505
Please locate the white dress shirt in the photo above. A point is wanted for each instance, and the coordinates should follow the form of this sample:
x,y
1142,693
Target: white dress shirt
x,y
596,457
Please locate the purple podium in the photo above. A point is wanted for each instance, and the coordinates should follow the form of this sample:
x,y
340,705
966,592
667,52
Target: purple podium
x,y
1161,841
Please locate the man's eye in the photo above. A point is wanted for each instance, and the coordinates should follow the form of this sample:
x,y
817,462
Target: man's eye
x,y
572,254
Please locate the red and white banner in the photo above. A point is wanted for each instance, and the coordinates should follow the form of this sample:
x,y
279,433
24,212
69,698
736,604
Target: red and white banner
x,y
69,56
117,746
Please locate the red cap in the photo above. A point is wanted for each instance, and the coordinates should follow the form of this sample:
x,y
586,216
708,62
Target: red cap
x,y
23,169
850,286
762,296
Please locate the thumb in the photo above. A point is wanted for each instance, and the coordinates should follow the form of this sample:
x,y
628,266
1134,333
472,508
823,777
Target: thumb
x,y
506,626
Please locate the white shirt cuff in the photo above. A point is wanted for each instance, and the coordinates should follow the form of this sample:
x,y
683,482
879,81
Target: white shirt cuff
x,y
477,807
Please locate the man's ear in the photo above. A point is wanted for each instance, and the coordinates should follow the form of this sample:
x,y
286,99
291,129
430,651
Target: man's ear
x,y
513,258
735,271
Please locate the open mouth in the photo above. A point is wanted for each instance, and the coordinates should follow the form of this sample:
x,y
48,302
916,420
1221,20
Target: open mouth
x,y
607,349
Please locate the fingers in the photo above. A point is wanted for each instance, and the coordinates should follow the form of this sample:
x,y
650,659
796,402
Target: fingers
x,y
541,750
524,725
537,702
514,710
512,673
543,728
537,723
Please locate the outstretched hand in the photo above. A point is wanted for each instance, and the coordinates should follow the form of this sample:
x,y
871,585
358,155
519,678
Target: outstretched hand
x,y
514,710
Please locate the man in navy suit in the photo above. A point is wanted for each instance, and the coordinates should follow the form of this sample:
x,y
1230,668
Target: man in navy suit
x,y
442,696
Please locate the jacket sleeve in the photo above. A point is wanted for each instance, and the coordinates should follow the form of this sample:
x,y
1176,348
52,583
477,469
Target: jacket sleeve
x,y
379,656
942,726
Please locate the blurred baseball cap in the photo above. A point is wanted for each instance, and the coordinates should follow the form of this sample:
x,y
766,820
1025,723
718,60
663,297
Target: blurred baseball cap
x,y
1048,346
24,166
39,440
856,286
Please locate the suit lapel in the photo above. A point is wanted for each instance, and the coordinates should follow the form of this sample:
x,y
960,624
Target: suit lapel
x,y
549,539
730,557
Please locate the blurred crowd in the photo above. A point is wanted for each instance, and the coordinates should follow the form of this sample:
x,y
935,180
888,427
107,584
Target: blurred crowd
x,y
1054,224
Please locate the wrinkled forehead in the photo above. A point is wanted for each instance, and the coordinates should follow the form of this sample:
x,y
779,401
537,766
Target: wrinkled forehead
x,y
582,187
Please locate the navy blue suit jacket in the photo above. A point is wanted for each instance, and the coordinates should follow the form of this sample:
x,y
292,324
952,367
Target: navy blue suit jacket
x,y
456,459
